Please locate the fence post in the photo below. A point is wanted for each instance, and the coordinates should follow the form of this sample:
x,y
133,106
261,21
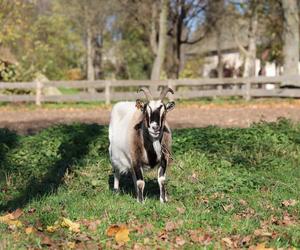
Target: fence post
x,y
38,93
247,90
219,88
107,92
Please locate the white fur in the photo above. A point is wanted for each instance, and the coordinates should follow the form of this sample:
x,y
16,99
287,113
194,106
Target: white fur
x,y
121,117
157,149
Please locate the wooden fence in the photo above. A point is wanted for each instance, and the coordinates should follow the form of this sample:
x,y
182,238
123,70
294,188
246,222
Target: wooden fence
x,y
114,90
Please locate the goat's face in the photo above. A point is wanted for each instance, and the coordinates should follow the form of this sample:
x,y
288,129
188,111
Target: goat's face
x,y
154,115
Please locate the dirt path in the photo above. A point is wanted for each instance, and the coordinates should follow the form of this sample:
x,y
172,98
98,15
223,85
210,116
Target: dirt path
x,y
27,121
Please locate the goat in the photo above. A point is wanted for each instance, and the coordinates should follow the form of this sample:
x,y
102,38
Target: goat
x,y
140,138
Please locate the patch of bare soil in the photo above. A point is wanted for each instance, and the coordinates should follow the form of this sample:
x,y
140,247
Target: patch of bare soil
x,y
28,121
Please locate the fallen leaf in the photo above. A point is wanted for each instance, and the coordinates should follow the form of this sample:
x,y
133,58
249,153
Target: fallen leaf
x,y
120,232
29,230
228,242
52,229
171,226
242,202
163,235
91,224
72,226
112,230
9,219
289,203
138,246
262,233
148,227
261,246
227,207
71,245
122,235
287,220
246,240
31,210
193,178
82,237
197,236
205,239
179,241
180,210
17,213
46,241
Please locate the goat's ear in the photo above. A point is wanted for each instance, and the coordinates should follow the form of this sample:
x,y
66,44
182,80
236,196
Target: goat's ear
x,y
139,104
170,106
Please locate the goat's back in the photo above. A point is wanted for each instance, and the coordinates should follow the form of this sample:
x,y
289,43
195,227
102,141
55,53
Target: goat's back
x,y
122,116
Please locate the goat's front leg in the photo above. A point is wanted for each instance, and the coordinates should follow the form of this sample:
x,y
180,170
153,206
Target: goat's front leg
x,y
139,183
161,178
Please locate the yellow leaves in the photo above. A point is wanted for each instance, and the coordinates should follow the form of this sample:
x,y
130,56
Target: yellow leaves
x,y
67,223
121,233
72,226
52,229
29,230
261,246
11,219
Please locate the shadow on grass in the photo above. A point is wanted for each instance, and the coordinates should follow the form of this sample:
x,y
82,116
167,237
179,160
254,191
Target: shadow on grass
x,y
74,146
8,141
127,187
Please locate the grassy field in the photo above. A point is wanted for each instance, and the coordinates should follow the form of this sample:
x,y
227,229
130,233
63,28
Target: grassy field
x,y
228,188
219,101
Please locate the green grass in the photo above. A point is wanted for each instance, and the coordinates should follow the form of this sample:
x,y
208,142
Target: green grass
x,y
230,183
180,102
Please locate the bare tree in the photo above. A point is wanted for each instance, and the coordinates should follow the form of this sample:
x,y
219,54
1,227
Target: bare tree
x,y
187,27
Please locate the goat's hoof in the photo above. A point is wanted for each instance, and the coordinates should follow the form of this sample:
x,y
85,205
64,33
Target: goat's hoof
x,y
142,201
163,200
116,191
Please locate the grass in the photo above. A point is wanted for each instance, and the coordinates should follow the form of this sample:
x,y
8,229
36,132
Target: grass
x,y
181,103
225,185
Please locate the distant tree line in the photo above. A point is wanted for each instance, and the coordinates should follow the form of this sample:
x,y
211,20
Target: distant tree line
x,y
138,39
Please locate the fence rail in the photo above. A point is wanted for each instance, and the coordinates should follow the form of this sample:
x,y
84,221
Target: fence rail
x,y
114,90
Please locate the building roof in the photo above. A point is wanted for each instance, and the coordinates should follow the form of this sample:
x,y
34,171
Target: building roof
x,y
230,29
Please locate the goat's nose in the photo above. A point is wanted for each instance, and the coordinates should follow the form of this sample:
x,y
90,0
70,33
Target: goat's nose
x,y
155,127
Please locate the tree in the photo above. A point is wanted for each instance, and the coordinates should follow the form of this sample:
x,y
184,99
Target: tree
x,y
161,48
187,27
91,19
290,37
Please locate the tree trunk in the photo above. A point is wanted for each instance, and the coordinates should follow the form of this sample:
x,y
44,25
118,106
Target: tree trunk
x,y
160,56
250,56
98,56
220,56
90,58
290,37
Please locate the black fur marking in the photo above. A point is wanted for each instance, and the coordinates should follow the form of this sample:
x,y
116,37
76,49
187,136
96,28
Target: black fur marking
x,y
138,126
155,116
151,154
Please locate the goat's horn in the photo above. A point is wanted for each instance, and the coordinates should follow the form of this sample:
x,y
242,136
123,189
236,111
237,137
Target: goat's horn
x,y
164,92
147,93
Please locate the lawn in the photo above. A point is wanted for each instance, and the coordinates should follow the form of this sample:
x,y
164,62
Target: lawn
x,y
228,187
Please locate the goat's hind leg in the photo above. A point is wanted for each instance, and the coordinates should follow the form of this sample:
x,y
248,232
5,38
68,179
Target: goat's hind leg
x,y
116,180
